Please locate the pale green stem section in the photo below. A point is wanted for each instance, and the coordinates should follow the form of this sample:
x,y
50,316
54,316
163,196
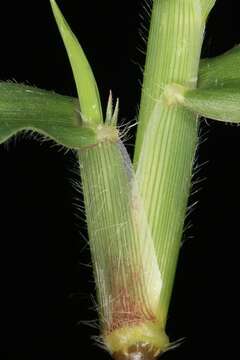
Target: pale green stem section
x,y
128,280
167,134
174,44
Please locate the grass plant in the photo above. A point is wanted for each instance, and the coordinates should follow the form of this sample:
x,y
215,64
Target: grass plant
x,y
135,210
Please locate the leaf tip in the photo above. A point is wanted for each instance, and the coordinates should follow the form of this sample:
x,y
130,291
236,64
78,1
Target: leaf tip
x,y
87,89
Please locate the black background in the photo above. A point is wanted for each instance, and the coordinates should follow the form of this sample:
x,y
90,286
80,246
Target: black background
x,y
45,281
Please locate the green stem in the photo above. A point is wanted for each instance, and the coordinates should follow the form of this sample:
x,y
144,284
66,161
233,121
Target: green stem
x,y
167,133
127,276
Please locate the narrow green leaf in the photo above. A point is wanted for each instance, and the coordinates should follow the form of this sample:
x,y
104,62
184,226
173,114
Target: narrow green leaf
x,y
220,70
221,103
57,116
88,94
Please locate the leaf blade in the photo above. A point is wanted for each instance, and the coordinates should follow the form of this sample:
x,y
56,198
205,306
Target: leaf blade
x,y
57,116
220,70
87,89
221,104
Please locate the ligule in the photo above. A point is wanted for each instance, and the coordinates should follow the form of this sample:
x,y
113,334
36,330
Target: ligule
x,y
128,279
